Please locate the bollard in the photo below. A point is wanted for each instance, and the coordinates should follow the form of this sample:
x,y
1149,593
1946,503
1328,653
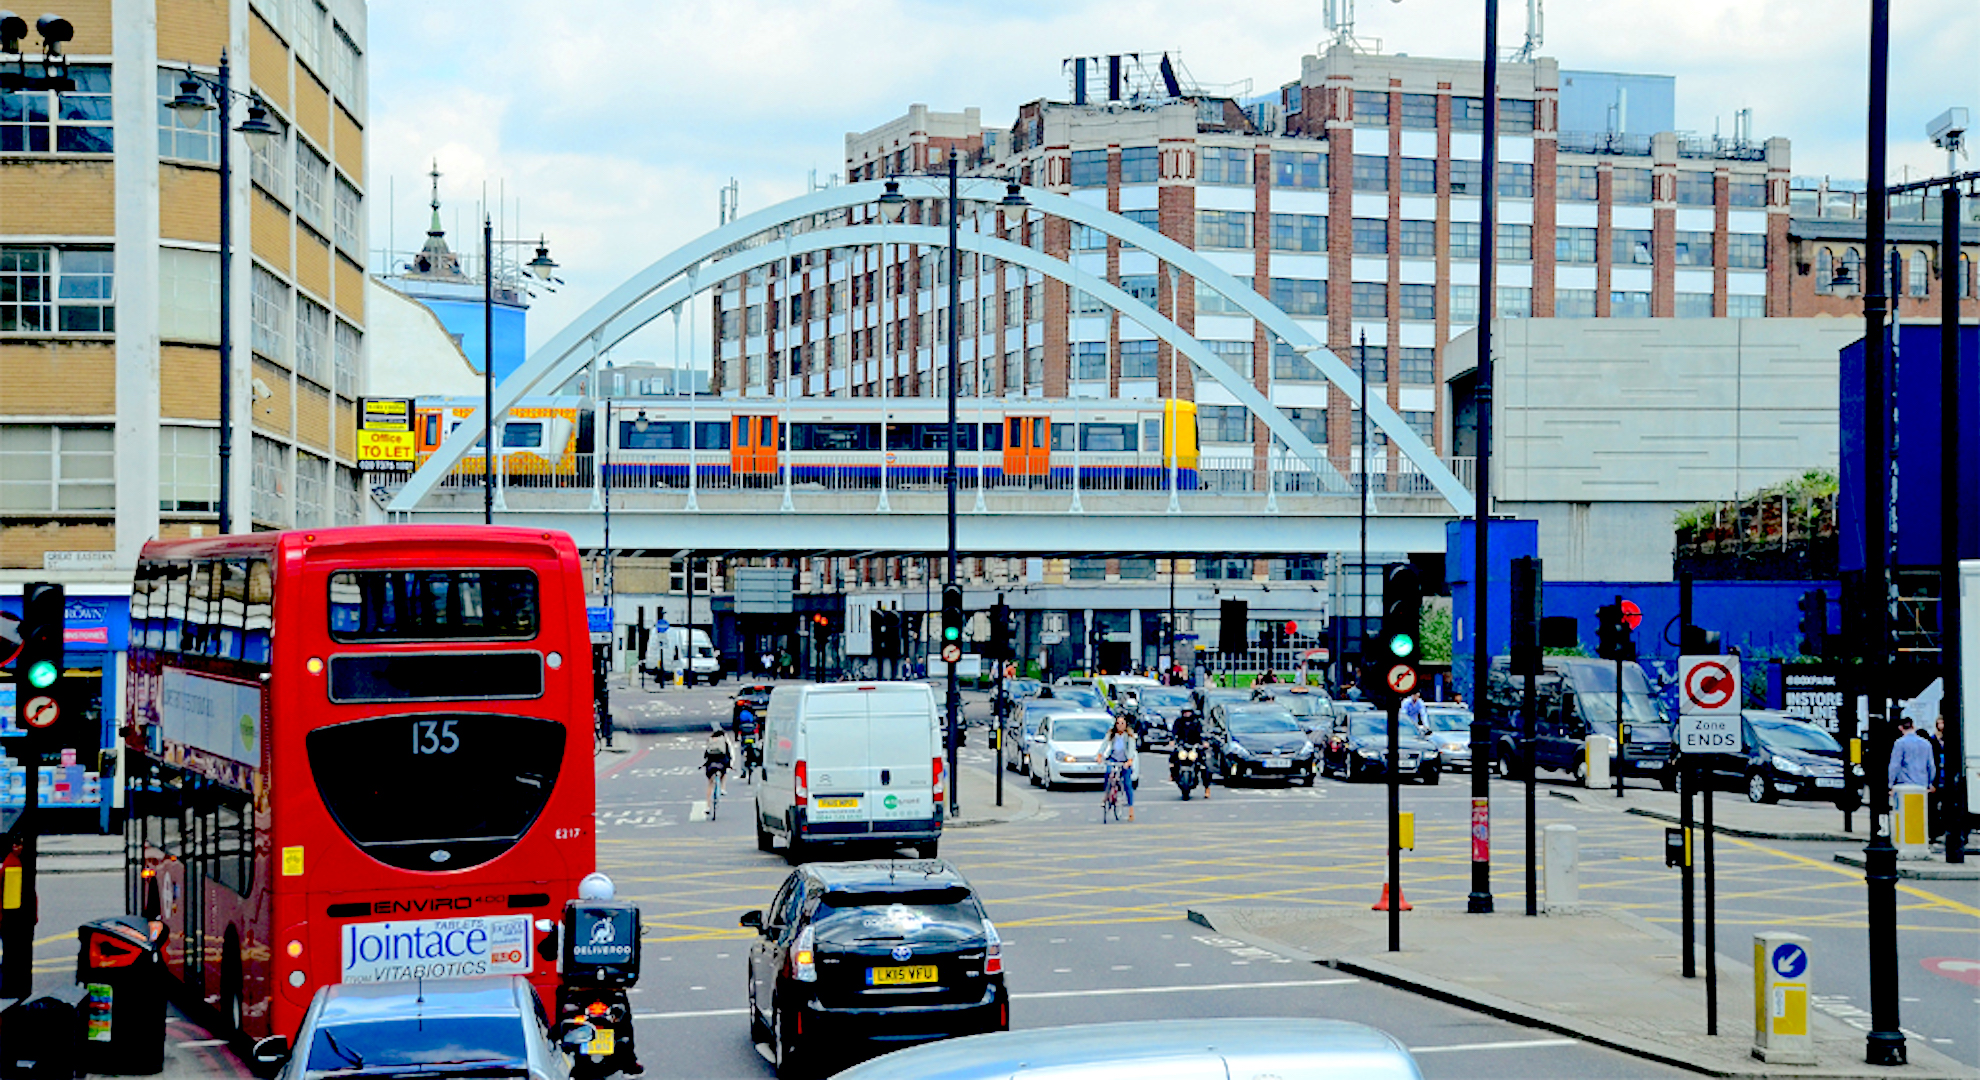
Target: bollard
x,y
1563,868
1781,977
1910,828
1595,752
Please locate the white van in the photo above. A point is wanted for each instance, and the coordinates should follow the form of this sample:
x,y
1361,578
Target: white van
x,y
671,648
850,763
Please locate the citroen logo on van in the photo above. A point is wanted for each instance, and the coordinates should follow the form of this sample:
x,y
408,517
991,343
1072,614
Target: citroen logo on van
x,y
903,952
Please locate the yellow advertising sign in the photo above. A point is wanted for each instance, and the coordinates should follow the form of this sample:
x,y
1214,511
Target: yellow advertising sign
x,y
385,414
385,446
385,435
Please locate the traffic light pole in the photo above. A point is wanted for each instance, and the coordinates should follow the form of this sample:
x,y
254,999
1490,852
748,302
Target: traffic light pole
x,y
37,675
955,274
1395,823
1480,900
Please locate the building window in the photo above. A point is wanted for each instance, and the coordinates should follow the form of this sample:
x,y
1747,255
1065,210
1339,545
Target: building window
x,y
1694,305
72,122
1515,116
1084,238
312,340
1629,186
1693,249
45,468
1083,303
1089,168
1468,114
307,36
1746,251
1300,296
1574,245
1515,302
1574,303
1139,286
1226,165
188,469
1917,274
348,499
1515,180
1746,307
1371,300
347,231
1090,361
1371,173
1299,169
312,491
1515,242
1299,232
1150,219
1310,422
1223,423
1416,366
1417,238
1629,246
1211,302
1013,373
1140,165
268,162
1419,176
1238,354
1417,111
1629,305
1138,359
1290,366
1224,569
1694,188
1746,191
1225,229
201,142
312,179
188,295
1375,437
1371,109
1464,304
1467,177
349,343
1575,183
57,290
269,315
1418,302
347,72
1034,365
268,485
1371,236
1466,239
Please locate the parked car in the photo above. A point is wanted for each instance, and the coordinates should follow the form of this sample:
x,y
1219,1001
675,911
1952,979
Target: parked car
x,y
1259,740
1358,749
1068,750
882,953
1576,697
1156,710
848,763
1786,757
1139,1049
486,1026
1449,729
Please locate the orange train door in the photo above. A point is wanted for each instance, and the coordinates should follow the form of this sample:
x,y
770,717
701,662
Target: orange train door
x,y
1027,446
753,445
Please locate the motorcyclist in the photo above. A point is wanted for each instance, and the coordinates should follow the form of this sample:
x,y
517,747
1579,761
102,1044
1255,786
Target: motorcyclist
x,y
1188,733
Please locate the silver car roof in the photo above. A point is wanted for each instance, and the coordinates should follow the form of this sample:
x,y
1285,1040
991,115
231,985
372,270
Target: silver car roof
x,y
1288,1049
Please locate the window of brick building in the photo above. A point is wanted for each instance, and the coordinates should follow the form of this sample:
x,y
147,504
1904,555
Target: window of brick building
x,y
1630,185
1464,304
1515,242
57,290
1917,275
1290,366
1299,232
1238,354
1574,245
1467,177
1693,249
1223,423
1694,188
1576,183
1371,236
1418,302
1211,302
1371,300
1466,239
1225,229
1300,296
1515,180
1417,111
1089,168
1467,114
1515,116
1746,307
1310,422
1574,303
1140,286
188,468
1746,191
1515,302
1416,366
1226,165
71,122
1691,305
1417,238
1090,361
200,142
269,315
1629,305
1746,251
1419,176
1138,359
1299,169
45,467
349,344
1371,109
1630,246
1371,173
1140,165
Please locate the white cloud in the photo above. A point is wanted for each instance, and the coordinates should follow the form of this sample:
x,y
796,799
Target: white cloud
x,y
616,121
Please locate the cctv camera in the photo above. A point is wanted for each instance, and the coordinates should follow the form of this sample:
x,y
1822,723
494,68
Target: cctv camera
x,y
54,30
12,29
1947,129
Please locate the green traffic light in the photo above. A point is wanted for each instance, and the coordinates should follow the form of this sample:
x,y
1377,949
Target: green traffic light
x,y
41,674
951,633
1401,645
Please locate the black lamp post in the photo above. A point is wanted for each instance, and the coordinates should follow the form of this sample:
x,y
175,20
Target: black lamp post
x,y
190,106
543,269
1480,900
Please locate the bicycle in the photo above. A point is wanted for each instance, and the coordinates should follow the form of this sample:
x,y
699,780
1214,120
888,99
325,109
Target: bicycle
x,y
601,729
720,774
1110,800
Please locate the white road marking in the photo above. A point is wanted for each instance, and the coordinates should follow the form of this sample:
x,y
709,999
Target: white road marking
x,y
698,810
1116,991
1523,1044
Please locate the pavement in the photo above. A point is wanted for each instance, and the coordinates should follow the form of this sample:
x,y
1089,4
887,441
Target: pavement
x,y
1608,978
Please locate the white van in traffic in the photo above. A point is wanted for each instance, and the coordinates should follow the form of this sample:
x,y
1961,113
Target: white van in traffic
x,y
851,763
673,652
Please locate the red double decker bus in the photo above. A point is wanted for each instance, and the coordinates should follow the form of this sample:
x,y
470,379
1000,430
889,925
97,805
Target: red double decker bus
x,y
356,755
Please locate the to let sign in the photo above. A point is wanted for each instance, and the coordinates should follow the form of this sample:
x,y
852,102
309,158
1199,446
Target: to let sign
x,y
1708,705
385,435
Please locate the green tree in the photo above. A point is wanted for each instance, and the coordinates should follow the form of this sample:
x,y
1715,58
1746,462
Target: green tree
x,y
1436,630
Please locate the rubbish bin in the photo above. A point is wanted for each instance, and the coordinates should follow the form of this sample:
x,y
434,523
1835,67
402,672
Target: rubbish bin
x,y
123,1006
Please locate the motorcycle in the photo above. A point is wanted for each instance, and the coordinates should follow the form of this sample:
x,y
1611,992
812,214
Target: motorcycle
x,y
1189,765
752,754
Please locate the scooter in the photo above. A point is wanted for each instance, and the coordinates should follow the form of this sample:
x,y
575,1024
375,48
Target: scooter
x,y
597,962
1189,769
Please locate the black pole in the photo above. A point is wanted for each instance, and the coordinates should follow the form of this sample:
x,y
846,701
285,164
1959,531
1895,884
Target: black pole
x,y
1480,900
1361,565
605,572
1395,824
226,98
1000,711
1711,923
1529,726
955,277
1618,766
1688,779
1884,1044
1952,786
488,374
687,630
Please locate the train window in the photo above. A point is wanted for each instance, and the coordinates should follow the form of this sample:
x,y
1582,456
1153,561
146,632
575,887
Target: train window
x,y
834,436
993,437
1062,436
1017,433
644,434
433,605
1107,437
1151,434
711,435
431,422
526,436
1038,429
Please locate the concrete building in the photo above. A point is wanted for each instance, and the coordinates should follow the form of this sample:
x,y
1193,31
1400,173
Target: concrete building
x,y
109,297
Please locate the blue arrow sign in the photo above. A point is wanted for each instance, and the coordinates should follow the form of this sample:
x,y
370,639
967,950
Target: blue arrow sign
x,y
599,618
662,626
1789,960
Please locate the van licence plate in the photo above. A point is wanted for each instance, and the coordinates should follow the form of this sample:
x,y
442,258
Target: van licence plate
x,y
839,802
900,976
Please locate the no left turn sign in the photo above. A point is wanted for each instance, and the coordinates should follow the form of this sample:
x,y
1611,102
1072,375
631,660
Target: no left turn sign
x,y
1709,686
42,711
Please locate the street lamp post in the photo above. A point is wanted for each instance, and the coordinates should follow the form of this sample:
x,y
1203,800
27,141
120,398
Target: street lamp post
x,y
190,106
1480,900
543,268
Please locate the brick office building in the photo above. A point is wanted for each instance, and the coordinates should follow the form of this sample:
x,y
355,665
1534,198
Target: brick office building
x,y
109,284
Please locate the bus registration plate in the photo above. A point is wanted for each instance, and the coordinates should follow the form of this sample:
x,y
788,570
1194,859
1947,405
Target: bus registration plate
x,y
401,951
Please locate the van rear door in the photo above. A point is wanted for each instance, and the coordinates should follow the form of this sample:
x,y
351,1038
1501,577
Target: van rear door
x,y
835,751
901,747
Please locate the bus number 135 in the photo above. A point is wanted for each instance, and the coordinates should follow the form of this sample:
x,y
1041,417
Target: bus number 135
x,y
435,737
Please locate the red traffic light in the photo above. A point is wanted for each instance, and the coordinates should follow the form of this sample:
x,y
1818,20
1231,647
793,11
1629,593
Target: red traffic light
x,y
1632,616
1291,628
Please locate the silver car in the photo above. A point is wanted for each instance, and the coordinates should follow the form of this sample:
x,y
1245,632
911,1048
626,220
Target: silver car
x,y
1174,1049
440,1027
1450,729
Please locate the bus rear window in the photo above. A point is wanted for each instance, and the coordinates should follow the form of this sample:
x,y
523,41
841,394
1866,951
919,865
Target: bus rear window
x,y
478,604
436,791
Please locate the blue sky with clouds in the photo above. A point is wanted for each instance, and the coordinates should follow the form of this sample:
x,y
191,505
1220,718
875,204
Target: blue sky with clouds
x,y
615,122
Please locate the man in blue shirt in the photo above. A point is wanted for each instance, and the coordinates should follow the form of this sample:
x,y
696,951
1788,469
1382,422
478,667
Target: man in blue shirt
x,y
1911,757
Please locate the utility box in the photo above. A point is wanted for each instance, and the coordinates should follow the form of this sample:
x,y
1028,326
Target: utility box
x,y
118,963
1596,752
1910,825
1562,859
1782,974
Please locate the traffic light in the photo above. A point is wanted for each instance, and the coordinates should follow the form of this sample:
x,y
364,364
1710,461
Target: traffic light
x,y
1698,641
1814,622
886,630
1234,627
38,664
1526,606
1000,645
952,622
1613,640
1394,655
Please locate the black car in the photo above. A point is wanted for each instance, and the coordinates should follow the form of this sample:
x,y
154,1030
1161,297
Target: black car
x,y
1207,698
1259,740
885,952
1358,749
754,698
1786,757
1156,711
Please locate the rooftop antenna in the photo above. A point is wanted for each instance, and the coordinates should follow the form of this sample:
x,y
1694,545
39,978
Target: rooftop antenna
x,y
1536,24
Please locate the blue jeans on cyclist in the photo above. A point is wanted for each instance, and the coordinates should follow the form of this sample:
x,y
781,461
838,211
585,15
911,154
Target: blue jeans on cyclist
x,y
1127,781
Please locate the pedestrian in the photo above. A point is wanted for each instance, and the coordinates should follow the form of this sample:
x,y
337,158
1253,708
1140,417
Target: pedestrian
x,y
1412,710
1353,691
1911,757
1938,740
1118,753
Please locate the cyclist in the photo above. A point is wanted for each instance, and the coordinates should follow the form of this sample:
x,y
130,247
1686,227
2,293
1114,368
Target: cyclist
x,y
1117,753
716,754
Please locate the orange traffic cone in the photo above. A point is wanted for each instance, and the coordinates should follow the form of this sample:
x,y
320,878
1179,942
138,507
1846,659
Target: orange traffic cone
x,y
1383,903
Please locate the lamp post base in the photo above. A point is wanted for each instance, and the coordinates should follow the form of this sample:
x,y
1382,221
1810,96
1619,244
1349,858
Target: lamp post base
x,y
1478,904
1884,1048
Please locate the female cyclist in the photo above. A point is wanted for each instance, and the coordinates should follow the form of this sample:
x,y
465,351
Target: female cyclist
x,y
1118,753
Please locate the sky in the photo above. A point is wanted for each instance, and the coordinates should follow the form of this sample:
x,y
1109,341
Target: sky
x,y
611,125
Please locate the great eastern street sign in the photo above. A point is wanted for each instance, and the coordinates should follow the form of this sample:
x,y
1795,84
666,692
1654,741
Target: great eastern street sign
x,y
1708,705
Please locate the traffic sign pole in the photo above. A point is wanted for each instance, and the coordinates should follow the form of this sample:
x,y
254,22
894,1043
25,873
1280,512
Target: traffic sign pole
x,y
37,667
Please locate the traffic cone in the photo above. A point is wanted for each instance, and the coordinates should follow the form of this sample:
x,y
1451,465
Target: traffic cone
x,y
1383,903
